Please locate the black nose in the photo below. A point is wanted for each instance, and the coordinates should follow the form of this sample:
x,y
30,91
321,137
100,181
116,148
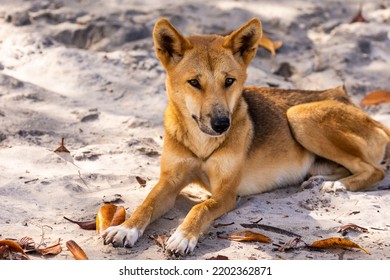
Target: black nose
x,y
220,125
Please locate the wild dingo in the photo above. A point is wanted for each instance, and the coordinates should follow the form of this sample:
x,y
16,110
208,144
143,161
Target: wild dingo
x,y
235,140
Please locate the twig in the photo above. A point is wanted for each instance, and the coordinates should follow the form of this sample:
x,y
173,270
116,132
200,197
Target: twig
x,y
272,229
33,180
223,225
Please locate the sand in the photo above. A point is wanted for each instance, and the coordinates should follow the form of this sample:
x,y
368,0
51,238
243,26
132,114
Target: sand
x,y
86,71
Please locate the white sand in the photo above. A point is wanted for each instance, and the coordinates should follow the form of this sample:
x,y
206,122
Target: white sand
x,y
86,71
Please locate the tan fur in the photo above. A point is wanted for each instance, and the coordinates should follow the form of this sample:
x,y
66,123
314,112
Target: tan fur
x,y
235,140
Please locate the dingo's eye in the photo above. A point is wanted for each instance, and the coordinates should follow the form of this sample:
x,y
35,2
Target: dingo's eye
x,y
229,82
195,83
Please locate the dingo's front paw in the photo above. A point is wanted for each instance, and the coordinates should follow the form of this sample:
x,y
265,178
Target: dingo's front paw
x,y
121,236
330,186
181,243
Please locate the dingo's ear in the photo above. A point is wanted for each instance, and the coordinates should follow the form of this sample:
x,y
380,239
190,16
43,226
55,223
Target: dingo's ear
x,y
169,43
244,41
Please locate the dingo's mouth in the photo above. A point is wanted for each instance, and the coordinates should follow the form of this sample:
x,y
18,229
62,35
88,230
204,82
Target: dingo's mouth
x,y
217,127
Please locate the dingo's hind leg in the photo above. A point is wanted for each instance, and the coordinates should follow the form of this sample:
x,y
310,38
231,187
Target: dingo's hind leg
x,y
345,135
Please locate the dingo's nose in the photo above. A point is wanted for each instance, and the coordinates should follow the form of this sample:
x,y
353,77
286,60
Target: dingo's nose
x,y
220,125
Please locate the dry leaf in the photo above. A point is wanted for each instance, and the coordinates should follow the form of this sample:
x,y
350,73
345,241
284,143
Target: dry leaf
x,y
375,98
62,148
51,250
219,258
12,246
335,242
353,227
141,181
64,153
76,250
109,215
27,243
3,250
359,16
270,45
88,225
160,240
294,243
247,236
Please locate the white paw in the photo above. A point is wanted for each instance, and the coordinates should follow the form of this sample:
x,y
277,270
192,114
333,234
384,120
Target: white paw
x,y
121,236
179,244
330,186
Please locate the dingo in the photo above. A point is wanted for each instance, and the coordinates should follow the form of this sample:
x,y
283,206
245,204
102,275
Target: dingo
x,y
235,140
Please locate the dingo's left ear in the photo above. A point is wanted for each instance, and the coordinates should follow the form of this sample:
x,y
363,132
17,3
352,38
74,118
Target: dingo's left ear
x,y
169,43
244,41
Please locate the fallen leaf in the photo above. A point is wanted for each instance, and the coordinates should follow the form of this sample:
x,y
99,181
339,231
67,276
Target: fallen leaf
x,y
247,236
51,250
76,250
64,153
336,242
12,246
3,250
294,243
359,16
62,148
270,45
109,215
375,98
141,181
160,240
219,258
88,225
343,229
27,243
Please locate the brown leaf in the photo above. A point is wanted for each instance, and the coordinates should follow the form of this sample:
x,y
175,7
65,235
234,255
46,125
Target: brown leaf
x,y
88,225
336,242
294,243
3,250
12,246
160,240
141,181
247,236
109,215
76,250
27,243
359,16
375,98
270,45
51,250
342,229
62,148
219,257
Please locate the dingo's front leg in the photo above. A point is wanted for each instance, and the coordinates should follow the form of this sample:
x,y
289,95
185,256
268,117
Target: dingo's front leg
x,y
224,182
174,176
159,201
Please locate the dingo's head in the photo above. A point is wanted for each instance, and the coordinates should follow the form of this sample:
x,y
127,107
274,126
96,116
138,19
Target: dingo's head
x,y
206,73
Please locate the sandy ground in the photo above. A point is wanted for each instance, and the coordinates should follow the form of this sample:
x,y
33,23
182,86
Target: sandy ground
x,y
85,70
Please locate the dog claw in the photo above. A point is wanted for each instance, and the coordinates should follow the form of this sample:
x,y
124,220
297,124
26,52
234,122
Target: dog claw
x,y
120,236
178,243
329,186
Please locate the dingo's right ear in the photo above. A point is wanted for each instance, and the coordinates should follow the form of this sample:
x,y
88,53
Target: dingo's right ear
x,y
169,43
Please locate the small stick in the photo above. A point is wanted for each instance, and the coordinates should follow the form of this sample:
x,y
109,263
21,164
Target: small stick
x,y
272,229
